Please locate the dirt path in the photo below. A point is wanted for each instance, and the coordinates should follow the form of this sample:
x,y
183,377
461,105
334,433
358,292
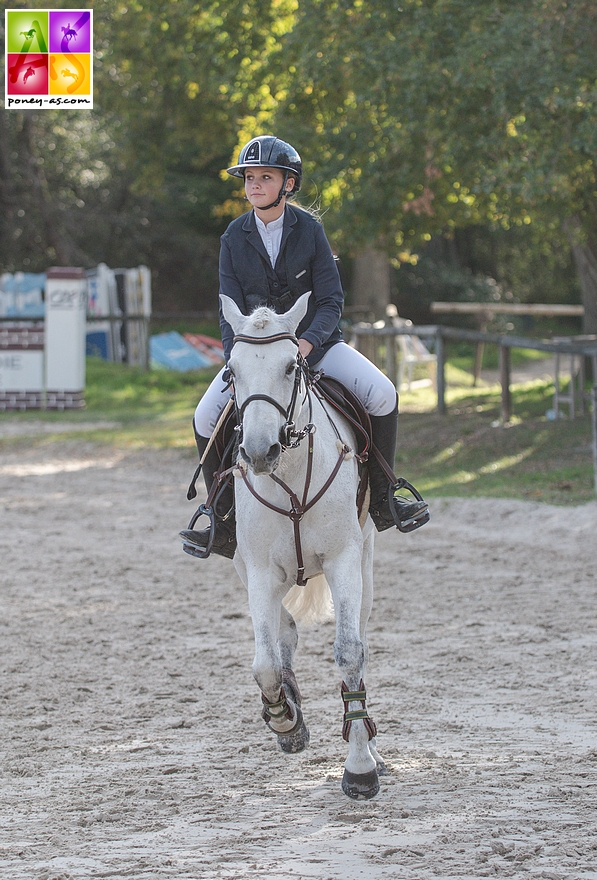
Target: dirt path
x,y
131,739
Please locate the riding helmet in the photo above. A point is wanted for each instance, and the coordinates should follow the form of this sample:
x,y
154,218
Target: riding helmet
x,y
270,152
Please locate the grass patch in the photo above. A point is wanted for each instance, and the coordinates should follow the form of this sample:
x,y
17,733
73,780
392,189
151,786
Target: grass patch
x,y
464,356
465,453
469,452
132,407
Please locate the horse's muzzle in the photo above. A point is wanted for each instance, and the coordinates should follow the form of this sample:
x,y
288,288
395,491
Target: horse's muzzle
x,y
259,462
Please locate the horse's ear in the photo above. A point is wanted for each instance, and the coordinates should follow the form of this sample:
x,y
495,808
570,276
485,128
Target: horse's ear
x,y
232,313
293,317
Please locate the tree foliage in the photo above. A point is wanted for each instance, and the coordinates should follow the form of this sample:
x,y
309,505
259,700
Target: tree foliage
x,y
439,113
138,179
416,119
430,115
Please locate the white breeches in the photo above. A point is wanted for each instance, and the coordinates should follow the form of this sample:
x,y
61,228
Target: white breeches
x,y
375,391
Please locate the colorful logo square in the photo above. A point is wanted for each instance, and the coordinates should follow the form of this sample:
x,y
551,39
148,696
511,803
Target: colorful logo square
x,y
70,31
49,58
69,74
26,30
27,75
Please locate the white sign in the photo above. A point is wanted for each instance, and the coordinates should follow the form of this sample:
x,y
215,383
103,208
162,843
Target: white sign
x,y
66,307
21,370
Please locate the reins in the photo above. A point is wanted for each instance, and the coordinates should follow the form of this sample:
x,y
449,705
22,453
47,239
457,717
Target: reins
x,y
297,508
290,438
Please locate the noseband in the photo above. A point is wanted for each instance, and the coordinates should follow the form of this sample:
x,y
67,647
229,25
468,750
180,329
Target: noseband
x,y
289,437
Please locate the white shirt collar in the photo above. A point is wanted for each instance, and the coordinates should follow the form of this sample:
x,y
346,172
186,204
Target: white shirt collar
x,y
273,225
271,235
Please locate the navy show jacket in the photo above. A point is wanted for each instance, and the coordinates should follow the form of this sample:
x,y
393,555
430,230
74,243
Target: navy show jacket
x,y
305,262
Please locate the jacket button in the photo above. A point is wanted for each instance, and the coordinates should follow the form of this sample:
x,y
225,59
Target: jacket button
x,y
276,284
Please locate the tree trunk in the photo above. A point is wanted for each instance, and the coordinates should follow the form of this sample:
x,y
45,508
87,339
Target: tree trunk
x,y
371,284
585,260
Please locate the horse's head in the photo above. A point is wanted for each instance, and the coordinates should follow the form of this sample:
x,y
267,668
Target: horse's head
x,y
263,364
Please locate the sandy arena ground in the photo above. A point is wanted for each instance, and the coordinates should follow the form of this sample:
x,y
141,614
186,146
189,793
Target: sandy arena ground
x,y
131,740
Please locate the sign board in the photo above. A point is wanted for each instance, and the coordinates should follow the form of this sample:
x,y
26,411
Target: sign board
x,y
21,369
22,365
66,313
102,312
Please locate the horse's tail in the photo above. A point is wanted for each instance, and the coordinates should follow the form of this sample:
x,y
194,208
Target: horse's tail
x,y
312,603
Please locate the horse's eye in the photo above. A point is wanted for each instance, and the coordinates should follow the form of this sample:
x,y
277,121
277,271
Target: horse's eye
x,y
290,368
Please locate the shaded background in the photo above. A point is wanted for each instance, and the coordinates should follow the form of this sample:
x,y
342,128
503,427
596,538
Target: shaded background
x,y
449,147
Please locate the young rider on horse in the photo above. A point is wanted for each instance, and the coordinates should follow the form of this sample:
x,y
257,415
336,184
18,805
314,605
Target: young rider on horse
x,y
271,256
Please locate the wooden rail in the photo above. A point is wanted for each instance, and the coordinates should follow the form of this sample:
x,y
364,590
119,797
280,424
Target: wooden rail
x,y
441,334
485,312
544,310
505,342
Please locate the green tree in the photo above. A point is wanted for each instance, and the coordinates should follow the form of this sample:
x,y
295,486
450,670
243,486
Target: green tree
x,y
430,115
138,179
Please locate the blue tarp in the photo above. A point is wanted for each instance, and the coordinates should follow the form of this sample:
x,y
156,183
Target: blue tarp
x,y
172,350
21,294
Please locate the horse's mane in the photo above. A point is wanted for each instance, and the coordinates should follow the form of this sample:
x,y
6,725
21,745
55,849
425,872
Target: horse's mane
x,y
261,317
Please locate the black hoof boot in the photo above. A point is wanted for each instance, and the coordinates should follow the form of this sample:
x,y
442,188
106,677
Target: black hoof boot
x,y
360,786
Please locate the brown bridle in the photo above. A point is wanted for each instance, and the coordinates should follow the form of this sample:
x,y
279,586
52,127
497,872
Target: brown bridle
x,y
298,507
289,436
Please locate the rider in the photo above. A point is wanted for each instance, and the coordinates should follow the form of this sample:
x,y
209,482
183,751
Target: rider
x,y
270,256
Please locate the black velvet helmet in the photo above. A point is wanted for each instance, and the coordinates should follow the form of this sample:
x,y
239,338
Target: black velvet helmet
x,y
270,152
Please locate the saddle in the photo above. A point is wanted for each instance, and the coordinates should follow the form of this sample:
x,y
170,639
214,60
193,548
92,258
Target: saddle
x,y
348,405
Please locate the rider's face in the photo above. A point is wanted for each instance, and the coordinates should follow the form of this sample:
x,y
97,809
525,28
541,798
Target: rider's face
x,y
262,185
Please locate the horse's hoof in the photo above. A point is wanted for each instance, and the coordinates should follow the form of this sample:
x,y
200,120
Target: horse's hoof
x,y
360,786
382,768
297,739
295,742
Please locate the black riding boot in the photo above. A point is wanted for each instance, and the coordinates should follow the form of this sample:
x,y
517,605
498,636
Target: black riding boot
x,y
224,542
384,430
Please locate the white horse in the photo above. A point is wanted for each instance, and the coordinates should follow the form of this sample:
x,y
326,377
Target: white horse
x,y
296,521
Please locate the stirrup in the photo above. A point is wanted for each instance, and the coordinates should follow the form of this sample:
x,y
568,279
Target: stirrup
x,y
194,549
416,521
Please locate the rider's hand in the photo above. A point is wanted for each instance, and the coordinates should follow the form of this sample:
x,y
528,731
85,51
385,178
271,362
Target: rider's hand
x,y
305,347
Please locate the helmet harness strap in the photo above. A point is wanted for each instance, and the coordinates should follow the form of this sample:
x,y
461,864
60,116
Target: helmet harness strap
x,y
281,194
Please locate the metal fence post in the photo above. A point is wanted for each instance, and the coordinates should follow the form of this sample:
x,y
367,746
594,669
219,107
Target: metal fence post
x,y
505,380
391,360
440,351
594,421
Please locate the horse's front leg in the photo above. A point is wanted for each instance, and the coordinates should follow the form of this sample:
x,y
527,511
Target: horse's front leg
x,y
287,641
366,606
275,641
346,583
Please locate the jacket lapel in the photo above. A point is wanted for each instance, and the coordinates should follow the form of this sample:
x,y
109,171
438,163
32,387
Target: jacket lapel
x,y
289,224
253,237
